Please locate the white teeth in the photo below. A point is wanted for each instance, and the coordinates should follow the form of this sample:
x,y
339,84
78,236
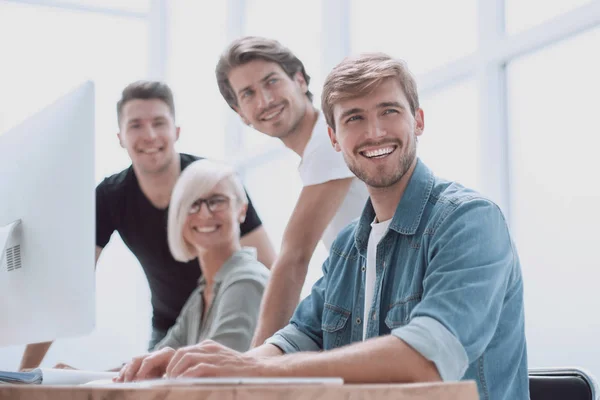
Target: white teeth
x,y
150,151
378,152
207,229
273,114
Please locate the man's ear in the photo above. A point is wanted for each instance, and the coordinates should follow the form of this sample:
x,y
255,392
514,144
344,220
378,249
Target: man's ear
x,y
333,138
120,139
299,78
177,130
419,122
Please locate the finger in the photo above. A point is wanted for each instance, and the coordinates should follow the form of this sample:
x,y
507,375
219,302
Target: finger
x,y
132,368
63,366
200,370
187,361
154,366
181,353
120,376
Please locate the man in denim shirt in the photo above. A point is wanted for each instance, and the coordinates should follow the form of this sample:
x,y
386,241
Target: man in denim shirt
x,y
426,285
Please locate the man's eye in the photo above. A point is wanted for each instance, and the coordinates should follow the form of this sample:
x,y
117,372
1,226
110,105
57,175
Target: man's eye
x,y
390,111
246,94
135,126
273,81
354,118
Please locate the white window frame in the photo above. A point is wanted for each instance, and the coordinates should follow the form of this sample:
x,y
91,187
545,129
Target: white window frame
x,y
486,65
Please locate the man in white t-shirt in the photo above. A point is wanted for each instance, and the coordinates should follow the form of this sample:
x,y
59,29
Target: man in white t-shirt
x,y
267,85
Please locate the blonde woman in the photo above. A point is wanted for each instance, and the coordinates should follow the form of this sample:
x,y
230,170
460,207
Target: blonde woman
x,y
206,209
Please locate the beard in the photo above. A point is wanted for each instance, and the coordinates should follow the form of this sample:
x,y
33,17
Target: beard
x,y
381,178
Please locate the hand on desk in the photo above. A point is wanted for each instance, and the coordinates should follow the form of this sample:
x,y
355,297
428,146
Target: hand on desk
x,y
207,359
63,366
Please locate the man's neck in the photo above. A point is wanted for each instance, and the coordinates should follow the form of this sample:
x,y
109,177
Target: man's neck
x,y
157,187
212,260
385,200
298,139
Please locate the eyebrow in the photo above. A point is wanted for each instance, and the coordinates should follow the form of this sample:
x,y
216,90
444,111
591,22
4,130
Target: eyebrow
x,y
385,104
266,78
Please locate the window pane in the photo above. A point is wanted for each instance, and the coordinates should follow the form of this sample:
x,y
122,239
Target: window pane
x,y
426,34
49,52
524,14
301,33
449,144
201,109
275,199
554,135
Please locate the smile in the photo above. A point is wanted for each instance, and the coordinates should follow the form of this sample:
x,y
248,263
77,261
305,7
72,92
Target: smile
x,y
378,153
205,229
152,150
272,114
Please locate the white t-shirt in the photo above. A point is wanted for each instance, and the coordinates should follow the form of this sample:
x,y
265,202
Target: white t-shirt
x,y
378,231
321,163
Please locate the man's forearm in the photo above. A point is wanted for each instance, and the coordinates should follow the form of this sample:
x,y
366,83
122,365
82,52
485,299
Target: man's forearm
x,y
266,350
34,354
280,299
381,360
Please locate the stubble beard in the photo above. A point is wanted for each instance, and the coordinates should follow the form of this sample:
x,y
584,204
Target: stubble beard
x,y
379,179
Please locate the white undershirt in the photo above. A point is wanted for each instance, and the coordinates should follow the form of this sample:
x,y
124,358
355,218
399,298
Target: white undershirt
x,y
378,231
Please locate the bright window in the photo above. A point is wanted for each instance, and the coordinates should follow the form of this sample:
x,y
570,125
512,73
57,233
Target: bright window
x,y
426,33
554,136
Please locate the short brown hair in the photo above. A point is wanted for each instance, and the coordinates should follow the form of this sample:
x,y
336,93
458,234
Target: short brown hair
x,y
249,48
360,75
146,90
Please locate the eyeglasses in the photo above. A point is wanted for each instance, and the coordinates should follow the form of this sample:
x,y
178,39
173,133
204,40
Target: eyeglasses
x,y
214,204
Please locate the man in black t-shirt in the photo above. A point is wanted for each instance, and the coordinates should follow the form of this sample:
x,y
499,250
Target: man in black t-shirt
x,y
134,202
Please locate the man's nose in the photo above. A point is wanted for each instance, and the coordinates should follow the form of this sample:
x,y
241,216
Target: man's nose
x,y
150,132
265,98
375,128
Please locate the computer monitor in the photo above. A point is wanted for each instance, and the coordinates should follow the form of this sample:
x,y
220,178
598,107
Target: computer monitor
x,y
47,225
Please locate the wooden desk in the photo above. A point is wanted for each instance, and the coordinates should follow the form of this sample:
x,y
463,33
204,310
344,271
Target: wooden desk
x,y
438,391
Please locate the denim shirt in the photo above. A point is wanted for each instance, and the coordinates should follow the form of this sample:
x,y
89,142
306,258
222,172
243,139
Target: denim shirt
x,y
448,283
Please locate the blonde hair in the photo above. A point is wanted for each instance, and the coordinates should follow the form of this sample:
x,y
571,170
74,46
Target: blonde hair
x,y
197,180
360,75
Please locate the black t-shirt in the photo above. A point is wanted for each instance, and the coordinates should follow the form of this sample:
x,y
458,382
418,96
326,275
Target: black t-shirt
x,y
122,206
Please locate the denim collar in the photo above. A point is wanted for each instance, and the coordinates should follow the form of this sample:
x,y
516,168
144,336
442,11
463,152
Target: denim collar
x,y
408,212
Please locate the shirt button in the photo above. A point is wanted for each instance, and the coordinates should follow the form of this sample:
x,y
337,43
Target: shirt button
x,y
357,321
363,268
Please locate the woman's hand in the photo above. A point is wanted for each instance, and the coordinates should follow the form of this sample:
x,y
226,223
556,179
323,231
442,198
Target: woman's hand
x,y
149,366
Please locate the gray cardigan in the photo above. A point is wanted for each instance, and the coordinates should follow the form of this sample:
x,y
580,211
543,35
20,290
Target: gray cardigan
x,y
233,314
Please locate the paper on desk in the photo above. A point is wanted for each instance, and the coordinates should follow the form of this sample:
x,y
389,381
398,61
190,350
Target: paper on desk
x,y
51,376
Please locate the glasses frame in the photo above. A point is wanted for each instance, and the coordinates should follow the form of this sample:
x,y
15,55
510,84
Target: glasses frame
x,y
196,206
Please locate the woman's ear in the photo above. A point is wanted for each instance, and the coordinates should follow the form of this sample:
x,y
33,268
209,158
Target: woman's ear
x,y
242,213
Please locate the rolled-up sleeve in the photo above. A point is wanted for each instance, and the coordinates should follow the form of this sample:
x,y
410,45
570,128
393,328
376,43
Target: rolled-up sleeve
x,y
292,340
304,333
471,261
434,342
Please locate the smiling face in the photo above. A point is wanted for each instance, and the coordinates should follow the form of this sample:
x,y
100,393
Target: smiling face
x,y
206,230
268,99
148,133
377,134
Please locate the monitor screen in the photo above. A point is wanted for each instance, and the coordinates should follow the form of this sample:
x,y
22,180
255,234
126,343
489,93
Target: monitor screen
x,y
47,225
